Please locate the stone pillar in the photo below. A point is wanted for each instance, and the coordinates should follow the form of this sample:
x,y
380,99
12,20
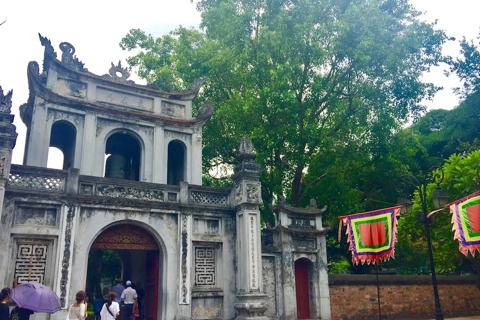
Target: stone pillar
x,y
8,137
250,297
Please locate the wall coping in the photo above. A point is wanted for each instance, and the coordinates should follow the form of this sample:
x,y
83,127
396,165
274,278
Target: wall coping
x,y
370,279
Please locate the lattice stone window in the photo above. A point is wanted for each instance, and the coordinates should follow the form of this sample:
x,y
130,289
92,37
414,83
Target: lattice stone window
x,y
209,198
205,258
36,216
31,260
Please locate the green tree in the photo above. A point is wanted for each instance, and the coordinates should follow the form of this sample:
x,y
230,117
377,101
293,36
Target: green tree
x,y
303,78
467,67
461,177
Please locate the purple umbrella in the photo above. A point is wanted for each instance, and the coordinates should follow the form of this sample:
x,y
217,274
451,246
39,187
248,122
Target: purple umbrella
x,y
36,297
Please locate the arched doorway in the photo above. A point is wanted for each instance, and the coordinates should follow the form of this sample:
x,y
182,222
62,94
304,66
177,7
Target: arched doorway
x,y
63,137
302,287
134,255
123,153
176,162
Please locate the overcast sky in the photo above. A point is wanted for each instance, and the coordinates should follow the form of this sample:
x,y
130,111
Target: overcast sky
x,y
95,28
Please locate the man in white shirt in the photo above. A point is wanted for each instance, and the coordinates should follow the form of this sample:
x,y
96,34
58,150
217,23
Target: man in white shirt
x,y
129,298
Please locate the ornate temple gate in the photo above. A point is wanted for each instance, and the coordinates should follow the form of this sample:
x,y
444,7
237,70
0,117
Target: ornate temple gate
x,y
128,237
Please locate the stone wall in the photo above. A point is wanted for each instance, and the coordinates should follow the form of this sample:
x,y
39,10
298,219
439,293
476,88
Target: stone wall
x,y
401,297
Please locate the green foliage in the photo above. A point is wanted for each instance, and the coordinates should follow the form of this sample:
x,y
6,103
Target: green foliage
x,y
445,132
304,79
467,67
102,264
461,177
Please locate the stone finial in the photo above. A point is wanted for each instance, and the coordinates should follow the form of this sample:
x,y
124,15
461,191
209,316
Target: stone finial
x,y
5,101
246,147
313,204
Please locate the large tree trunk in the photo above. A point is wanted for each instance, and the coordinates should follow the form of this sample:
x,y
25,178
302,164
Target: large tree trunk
x,y
297,186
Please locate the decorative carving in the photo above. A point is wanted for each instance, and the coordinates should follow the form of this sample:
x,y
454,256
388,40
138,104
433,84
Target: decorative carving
x,y
5,101
66,254
238,193
36,216
86,188
196,84
209,198
246,146
124,99
75,119
304,243
172,197
184,258
31,260
118,69
125,237
68,57
173,109
36,182
205,112
269,285
3,160
253,192
47,44
204,266
206,226
185,137
72,88
130,193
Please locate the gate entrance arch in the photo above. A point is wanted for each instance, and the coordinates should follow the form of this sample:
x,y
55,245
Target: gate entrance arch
x,y
139,255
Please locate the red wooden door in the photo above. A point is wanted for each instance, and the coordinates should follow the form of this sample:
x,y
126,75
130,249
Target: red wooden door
x,y
151,285
301,287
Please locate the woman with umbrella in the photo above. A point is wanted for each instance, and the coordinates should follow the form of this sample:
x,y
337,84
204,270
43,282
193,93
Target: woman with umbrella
x,y
34,297
78,310
5,295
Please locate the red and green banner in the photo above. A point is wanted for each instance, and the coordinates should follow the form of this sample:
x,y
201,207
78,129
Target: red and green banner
x,y
371,235
466,222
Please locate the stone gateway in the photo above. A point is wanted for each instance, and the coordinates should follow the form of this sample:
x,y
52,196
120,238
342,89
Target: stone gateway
x,y
129,203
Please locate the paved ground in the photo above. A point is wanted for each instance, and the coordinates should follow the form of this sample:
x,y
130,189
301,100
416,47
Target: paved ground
x,y
465,318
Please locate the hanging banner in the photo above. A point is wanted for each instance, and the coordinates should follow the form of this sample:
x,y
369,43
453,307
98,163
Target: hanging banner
x,y
371,235
466,222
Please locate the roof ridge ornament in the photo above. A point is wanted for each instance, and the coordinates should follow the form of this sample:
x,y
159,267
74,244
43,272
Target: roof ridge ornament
x,y
47,44
5,101
114,72
68,58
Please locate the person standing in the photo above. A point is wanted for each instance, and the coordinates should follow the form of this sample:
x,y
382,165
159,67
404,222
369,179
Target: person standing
x,y
118,289
98,305
5,295
129,298
111,308
78,309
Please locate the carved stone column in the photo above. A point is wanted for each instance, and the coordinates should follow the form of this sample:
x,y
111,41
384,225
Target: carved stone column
x,y
8,137
250,297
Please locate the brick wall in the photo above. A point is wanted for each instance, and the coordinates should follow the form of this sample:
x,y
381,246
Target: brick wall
x,y
354,297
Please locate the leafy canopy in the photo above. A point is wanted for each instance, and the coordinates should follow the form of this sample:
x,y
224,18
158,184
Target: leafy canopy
x,y
304,78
